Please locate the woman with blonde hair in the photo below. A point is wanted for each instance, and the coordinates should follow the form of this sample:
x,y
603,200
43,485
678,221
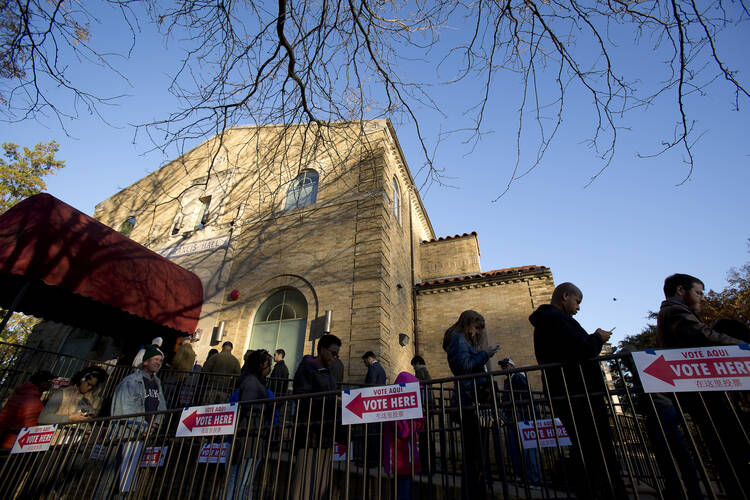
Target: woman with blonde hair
x,y
462,342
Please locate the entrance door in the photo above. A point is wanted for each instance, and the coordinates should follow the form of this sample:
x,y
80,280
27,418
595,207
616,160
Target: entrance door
x,y
280,324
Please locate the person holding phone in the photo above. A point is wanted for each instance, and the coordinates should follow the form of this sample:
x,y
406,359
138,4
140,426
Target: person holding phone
x,y
80,401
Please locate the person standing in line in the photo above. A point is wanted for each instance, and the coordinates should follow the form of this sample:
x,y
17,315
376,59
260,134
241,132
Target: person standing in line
x,y
23,408
462,344
375,372
420,369
279,383
678,325
138,359
184,358
314,448
80,401
217,368
558,338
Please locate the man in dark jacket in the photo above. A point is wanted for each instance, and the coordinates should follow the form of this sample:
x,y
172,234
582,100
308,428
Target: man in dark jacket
x,y
279,378
314,447
558,338
678,326
375,373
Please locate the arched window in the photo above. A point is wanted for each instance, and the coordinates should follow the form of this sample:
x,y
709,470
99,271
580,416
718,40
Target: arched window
x,y
396,200
280,323
127,226
303,190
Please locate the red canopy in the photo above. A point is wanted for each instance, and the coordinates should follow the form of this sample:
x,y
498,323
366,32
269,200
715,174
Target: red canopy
x,y
82,273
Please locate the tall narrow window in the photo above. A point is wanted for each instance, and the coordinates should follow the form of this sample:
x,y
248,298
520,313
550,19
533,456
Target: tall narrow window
x,y
303,190
177,224
396,200
203,214
127,226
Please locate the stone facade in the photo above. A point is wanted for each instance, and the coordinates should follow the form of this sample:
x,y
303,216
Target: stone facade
x,y
364,249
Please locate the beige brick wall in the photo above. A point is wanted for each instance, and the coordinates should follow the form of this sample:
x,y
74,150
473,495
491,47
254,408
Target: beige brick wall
x,y
450,257
505,305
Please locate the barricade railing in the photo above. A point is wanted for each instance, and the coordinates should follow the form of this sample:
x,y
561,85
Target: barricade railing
x,y
552,431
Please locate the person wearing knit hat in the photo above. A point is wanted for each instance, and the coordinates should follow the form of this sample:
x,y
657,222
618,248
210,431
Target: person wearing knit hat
x,y
138,359
141,391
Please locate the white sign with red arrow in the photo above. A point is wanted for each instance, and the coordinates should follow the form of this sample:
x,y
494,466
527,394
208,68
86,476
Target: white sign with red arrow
x,y
724,368
32,439
381,404
211,420
546,434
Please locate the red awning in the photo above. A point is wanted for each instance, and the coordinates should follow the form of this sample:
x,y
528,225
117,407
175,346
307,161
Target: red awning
x,y
82,273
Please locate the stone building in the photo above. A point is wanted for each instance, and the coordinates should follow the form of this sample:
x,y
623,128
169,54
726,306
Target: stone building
x,y
285,223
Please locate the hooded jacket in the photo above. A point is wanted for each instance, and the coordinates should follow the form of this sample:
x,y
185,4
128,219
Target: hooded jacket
x,y
402,450
558,338
677,326
21,410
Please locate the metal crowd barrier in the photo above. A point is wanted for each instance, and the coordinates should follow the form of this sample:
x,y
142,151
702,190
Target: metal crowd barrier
x,y
570,433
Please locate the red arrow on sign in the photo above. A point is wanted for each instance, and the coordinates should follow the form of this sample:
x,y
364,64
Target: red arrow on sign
x,y
35,438
208,419
683,369
400,401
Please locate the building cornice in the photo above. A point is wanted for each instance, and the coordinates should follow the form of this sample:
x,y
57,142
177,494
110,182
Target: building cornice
x,y
486,279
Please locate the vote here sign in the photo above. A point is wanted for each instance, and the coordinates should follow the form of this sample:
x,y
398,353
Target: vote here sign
x,y
546,433
381,404
725,368
210,420
32,439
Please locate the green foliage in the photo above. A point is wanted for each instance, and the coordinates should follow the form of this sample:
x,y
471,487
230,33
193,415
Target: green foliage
x,y
22,172
18,328
732,302
643,340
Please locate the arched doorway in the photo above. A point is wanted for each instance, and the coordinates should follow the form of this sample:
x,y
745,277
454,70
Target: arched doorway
x,y
280,324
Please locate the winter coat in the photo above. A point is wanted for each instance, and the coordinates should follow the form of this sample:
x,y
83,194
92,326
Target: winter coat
x,y
224,362
130,398
375,374
463,359
279,383
21,410
558,338
184,358
402,448
678,327
67,402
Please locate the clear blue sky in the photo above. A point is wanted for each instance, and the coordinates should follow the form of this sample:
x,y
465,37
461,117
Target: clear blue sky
x,y
616,239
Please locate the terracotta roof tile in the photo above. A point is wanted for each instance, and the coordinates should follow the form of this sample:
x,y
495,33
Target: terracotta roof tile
x,y
487,274
455,236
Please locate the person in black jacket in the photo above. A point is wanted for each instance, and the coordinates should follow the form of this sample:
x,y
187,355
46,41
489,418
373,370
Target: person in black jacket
x,y
279,378
375,373
558,338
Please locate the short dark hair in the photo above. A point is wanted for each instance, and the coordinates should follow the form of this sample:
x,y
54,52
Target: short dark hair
x,y
327,341
41,377
282,352
417,360
684,280
227,344
368,354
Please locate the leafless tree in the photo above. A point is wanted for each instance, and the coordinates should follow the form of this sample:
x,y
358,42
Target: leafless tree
x,y
249,62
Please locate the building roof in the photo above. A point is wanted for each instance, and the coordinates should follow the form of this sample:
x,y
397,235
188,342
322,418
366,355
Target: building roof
x,y
454,237
485,276
79,272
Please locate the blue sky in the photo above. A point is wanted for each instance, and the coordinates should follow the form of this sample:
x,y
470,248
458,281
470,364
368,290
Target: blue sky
x,y
616,239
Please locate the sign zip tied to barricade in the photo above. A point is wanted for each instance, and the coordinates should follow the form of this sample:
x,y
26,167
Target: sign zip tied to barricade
x,y
32,439
381,404
723,368
209,420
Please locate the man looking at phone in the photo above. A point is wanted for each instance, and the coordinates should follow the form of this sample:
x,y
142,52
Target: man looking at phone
x,y
558,338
